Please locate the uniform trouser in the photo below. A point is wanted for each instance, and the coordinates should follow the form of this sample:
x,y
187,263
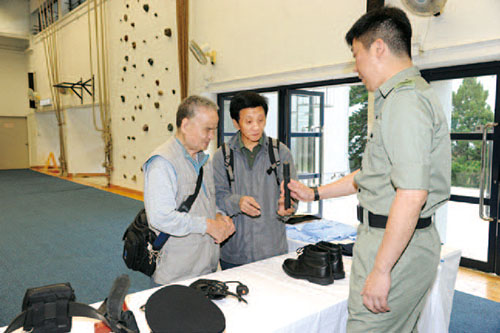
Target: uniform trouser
x,y
411,279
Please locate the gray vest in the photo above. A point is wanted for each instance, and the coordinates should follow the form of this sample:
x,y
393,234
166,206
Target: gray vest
x,y
194,254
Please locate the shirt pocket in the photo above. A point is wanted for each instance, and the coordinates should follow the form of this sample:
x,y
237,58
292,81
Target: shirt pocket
x,y
375,156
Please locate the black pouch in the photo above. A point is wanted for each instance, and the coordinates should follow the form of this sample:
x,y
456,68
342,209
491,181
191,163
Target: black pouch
x,y
138,239
47,308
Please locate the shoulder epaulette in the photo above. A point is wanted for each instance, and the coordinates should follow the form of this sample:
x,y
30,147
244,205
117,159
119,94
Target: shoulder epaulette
x,y
408,83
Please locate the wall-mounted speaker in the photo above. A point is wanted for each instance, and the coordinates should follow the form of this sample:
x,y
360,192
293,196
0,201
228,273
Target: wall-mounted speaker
x,y
31,85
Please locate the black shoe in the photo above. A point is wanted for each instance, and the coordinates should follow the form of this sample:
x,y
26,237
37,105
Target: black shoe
x,y
335,258
313,265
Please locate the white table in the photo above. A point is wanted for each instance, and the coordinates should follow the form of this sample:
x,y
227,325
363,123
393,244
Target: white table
x,y
279,303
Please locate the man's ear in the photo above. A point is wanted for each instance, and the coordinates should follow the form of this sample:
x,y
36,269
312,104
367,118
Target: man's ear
x,y
184,123
236,125
379,47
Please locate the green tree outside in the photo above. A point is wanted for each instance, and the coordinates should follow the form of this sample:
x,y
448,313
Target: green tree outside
x,y
358,125
469,111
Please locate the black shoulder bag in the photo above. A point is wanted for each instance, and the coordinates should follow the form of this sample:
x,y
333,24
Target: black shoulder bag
x,y
141,245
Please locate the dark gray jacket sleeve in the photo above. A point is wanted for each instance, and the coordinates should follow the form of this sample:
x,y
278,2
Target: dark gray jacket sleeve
x,y
226,201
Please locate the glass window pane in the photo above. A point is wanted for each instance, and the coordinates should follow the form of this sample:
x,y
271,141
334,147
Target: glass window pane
x,y
342,210
228,121
468,102
466,167
305,114
271,128
309,207
344,137
466,231
305,151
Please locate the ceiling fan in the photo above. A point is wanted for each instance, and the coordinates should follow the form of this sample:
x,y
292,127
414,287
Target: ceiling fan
x,y
425,7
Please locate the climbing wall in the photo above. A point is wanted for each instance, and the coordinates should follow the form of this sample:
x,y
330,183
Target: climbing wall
x,y
144,89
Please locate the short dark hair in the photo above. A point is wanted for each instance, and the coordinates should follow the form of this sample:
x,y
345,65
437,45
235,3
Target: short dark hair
x,y
246,99
187,108
388,23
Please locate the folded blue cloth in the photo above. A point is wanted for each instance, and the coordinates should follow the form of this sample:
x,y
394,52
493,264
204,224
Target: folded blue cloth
x,y
326,230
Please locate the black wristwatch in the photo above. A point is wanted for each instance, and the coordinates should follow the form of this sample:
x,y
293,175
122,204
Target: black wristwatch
x,y
316,193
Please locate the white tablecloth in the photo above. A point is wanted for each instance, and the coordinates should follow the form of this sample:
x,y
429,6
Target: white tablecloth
x,y
279,303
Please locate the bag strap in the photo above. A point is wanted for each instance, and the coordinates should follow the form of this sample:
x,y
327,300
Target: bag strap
x,y
273,148
185,206
228,163
74,310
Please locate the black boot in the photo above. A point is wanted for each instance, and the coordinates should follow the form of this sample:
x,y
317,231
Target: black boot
x,y
335,257
313,264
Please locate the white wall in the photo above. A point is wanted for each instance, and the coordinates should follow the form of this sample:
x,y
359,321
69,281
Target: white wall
x,y
466,32
85,145
14,18
263,43
259,43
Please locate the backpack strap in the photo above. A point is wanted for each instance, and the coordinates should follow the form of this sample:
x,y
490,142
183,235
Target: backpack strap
x,y
185,206
274,150
228,163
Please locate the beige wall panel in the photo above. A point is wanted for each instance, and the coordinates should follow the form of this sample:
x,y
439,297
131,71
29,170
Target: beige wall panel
x,y
13,143
13,84
85,147
47,138
159,81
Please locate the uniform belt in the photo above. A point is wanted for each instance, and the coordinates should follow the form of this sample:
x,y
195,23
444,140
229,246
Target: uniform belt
x,y
380,221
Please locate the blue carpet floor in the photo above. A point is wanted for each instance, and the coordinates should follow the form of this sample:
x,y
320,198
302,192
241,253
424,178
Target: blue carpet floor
x,y
471,314
53,230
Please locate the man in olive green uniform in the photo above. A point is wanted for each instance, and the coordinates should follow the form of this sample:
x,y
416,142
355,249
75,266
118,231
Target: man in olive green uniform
x,y
404,178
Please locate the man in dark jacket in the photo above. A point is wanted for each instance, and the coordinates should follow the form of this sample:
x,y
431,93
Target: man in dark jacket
x,y
252,197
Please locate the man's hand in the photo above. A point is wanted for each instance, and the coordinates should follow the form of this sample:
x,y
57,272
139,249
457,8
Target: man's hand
x,y
281,204
220,228
376,291
249,206
300,192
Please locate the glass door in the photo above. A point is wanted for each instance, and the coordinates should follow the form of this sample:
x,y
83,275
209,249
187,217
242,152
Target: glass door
x,y
305,139
469,222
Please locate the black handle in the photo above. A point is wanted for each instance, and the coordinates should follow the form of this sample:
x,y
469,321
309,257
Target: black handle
x,y
286,176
